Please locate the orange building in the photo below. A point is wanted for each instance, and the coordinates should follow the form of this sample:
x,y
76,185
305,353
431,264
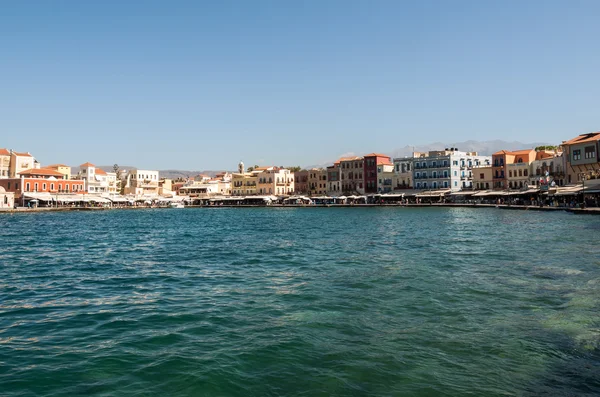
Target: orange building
x,y
500,165
42,180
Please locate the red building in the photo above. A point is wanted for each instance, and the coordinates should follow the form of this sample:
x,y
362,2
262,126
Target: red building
x,y
42,180
370,170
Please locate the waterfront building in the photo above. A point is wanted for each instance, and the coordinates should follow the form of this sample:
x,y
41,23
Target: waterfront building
x,y
402,178
377,178
518,175
21,162
482,177
41,180
96,180
301,182
220,185
165,187
244,183
352,175
7,199
446,169
275,180
141,182
4,163
317,182
548,169
500,163
581,155
385,178
334,184
63,169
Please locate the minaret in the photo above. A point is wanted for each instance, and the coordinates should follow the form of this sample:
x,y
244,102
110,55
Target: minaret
x,y
241,168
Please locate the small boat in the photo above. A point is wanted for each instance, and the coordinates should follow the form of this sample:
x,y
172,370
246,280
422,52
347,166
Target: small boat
x,y
177,205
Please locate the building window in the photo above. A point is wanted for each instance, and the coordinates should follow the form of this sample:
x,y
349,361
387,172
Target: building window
x,y
525,173
577,154
481,176
35,186
590,152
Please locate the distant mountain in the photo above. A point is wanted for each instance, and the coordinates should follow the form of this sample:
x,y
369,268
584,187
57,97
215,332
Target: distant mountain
x,y
485,148
170,174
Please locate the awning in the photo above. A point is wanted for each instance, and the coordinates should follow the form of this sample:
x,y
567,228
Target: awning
x,y
432,193
38,196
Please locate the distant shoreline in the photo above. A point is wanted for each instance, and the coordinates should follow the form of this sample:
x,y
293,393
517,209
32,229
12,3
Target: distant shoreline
x,y
590,211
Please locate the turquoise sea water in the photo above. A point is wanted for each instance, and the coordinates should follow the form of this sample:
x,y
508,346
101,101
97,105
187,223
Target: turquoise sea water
x,y
300,302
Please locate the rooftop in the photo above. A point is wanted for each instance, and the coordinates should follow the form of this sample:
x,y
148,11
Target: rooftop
x,y
590,137
42,172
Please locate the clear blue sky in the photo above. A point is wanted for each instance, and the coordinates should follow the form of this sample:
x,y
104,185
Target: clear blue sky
x,y
201,85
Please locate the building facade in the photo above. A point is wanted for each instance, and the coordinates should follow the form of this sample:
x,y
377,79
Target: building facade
x,y
41,180
317,182
301,182
581,155
334,184
96,180
373,172
4,163
548,169
403,173
21,162
500,166
142,183
446,169
276,181
482,177
352,175
7,199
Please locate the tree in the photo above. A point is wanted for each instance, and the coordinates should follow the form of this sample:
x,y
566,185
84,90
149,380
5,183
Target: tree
x,y
295,168
545,147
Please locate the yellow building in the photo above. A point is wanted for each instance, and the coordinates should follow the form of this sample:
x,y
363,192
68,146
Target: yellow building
x,y
63,169
4,163
483,178
244,184
317,182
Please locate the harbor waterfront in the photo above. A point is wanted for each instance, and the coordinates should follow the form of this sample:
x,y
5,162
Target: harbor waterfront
x,y
288,301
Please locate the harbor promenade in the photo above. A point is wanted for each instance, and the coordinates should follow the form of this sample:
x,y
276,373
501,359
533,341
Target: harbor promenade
x,y
587,211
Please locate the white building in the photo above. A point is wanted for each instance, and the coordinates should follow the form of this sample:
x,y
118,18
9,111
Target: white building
x,y
96,180
446,169
142,183
7,199
217,186
276,181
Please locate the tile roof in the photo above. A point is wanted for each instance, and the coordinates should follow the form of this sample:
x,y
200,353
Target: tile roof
x,y
87,165
100,171
41,171
376,155
56,166
593,136
23,154
355,158
4,152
